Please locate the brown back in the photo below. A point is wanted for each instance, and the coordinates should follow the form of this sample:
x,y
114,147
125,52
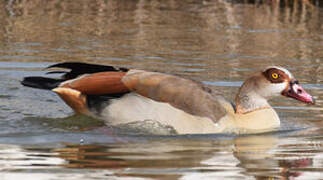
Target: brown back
x,y
184,94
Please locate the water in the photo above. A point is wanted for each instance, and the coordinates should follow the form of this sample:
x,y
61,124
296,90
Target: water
x,y
217,42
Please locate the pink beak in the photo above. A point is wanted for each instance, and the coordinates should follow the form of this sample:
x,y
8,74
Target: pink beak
x,y
297,92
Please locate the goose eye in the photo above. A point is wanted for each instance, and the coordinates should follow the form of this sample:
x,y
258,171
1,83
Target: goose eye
x,y
274,75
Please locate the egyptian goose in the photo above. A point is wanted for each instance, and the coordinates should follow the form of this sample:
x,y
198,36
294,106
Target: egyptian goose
x,y
121,96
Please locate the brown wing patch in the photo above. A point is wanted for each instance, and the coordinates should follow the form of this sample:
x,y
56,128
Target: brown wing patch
x,y
73,98
144,83
181,93
98,83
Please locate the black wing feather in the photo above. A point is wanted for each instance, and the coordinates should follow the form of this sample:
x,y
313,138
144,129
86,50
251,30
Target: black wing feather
x,y
41,82
78,68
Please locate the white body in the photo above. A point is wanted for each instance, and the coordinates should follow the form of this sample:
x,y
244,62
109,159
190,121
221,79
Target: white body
x,y
135,108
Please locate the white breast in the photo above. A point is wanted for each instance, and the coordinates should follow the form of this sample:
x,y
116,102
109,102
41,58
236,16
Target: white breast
x,y
134,108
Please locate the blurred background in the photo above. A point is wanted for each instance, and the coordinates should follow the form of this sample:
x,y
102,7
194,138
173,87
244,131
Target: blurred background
x,y
219,42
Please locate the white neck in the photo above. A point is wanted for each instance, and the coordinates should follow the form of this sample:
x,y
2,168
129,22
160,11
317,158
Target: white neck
x,y
250,102
248,98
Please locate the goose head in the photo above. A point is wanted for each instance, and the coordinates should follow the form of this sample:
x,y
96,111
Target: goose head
x,y
272,82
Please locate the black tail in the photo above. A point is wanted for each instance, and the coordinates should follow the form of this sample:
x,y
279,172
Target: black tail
x,y
41,82
76,69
